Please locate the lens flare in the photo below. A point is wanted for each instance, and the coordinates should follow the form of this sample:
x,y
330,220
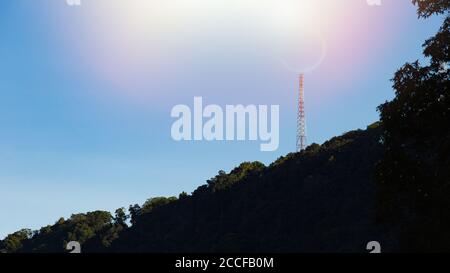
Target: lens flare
x,y
134,44
305,52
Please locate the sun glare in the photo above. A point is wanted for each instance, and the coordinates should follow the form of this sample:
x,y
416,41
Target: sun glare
x,y
131,36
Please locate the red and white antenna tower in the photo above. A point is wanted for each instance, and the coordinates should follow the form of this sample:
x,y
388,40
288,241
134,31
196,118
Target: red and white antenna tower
x,y
301,119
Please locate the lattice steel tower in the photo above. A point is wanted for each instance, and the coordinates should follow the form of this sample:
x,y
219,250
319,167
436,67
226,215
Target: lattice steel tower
x,y
301,119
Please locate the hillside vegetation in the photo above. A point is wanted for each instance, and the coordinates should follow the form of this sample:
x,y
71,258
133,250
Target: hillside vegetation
x,y
323,199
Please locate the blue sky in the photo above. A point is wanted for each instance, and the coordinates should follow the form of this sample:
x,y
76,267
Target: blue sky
x,y
86,92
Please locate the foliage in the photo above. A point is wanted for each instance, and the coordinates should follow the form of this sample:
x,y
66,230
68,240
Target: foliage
x,y
251,208
156,202
426,8
14,242
414,172
223,180
95,230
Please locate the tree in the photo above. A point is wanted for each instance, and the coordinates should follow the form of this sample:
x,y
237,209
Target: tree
x,y
155,202
135,213
426,8
121,217
183,195
414,172
14,242
245,170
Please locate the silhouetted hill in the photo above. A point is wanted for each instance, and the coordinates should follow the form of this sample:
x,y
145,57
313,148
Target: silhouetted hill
x,y
320,200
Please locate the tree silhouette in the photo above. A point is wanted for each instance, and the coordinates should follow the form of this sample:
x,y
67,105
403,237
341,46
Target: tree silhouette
x,y
414,173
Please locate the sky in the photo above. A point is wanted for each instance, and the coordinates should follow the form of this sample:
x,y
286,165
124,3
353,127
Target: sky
x,y
86,91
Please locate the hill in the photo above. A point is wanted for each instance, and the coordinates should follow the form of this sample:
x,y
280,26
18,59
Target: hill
x,y
320,200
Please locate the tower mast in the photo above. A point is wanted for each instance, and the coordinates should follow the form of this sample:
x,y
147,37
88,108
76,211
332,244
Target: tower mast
x,y
301,119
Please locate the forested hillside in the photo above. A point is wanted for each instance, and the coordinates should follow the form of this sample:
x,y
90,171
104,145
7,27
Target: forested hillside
x,y
322,199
